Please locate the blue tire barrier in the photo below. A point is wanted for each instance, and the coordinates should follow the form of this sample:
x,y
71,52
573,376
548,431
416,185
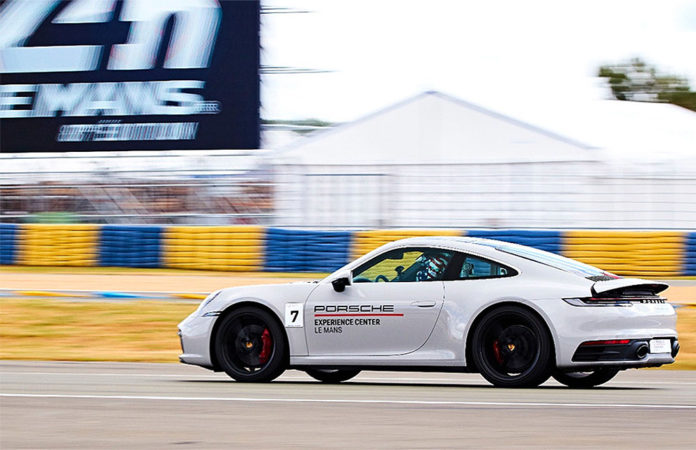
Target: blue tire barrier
x,y
130,246
306,250
8,243
690,254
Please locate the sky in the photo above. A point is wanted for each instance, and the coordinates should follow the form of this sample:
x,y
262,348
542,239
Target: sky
x,y
514,57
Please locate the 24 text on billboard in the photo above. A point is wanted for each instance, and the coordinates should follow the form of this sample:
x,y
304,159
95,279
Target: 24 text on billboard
x,y
78,75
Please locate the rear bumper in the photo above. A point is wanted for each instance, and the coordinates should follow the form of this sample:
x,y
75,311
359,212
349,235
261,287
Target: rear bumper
x,y
635,353
572,326
634,350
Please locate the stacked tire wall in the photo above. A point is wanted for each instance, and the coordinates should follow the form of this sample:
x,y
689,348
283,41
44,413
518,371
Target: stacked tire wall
x,y
639,253
690,254
548,240
305,250
238,249
8,239
255,248
366,241
130,246
57,245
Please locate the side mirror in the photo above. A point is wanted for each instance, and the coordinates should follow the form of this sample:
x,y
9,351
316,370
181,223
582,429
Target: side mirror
x,y
342,280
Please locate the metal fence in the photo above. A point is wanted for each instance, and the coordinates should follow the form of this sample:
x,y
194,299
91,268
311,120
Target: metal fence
x,y
224,188
210,201
559,195
174,188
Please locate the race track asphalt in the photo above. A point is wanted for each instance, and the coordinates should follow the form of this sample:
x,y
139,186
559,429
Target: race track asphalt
x,y
127,406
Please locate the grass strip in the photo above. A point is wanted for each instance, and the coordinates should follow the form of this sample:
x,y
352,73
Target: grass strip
x,y
46,329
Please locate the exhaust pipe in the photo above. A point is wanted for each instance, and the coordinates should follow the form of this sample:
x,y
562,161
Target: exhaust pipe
x,y
642,351
675,348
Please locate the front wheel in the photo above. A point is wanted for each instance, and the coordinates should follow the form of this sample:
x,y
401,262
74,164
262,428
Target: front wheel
x,y
250,345
511,347
332,375
589,379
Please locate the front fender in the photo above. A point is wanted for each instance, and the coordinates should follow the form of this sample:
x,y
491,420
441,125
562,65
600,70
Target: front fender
x,y
274,299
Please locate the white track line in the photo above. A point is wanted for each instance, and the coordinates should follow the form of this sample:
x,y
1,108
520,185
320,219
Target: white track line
x,y
352,401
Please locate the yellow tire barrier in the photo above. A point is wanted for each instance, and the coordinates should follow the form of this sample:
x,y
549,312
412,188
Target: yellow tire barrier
x,y
637,253
214,248
366,241
58,245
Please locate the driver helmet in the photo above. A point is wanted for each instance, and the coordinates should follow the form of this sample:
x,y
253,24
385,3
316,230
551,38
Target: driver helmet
x,y
432,267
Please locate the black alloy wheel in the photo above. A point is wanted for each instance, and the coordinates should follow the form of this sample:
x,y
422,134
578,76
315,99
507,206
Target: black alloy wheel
x,y
511,347
332,375
579,380
250,345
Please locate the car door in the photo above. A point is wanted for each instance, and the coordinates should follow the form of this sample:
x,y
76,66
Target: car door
x,y
389,309
471,282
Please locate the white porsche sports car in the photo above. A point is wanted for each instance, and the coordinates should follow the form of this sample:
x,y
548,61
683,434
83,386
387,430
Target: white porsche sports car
x,y
515,314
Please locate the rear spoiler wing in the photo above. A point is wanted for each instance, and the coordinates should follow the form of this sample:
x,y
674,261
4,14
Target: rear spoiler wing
x,y
619,286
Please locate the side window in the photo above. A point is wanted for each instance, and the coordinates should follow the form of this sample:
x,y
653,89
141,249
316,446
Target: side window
x,y
477,267
404,265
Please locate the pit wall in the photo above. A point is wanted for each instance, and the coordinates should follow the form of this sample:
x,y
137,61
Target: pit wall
x,y
256,248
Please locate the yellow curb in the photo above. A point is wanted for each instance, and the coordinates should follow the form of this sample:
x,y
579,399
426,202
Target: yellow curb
x,y
48,294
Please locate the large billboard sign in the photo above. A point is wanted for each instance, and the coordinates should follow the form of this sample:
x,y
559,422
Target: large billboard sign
x,y
79,75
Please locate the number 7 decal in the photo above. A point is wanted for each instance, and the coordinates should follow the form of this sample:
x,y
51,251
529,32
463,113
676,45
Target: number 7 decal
x,y
293,315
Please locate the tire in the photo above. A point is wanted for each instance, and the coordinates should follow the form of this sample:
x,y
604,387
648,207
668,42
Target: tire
x,y
250,345
579,380
511,347
332,375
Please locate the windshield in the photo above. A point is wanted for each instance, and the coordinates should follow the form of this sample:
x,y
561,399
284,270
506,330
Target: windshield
x,y
409,264
553,260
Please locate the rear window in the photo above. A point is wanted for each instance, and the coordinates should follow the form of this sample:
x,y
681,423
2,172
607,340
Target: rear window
x,y
476,267
556,261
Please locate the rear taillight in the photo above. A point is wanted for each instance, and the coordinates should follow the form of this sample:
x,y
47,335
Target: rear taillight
x,y
608,342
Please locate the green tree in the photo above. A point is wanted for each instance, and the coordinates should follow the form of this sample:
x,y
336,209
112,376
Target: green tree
x,y
636,80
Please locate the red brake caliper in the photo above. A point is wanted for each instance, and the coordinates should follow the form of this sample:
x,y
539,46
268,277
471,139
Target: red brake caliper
x,y
496,352
267,346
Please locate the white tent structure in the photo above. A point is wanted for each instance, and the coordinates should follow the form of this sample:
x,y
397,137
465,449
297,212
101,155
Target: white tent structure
x,y
649,154
434,160
641,133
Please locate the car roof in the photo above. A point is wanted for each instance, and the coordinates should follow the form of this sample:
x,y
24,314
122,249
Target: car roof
x,y
450,241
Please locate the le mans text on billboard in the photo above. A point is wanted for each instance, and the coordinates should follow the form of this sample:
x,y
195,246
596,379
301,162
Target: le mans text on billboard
x,y
78,75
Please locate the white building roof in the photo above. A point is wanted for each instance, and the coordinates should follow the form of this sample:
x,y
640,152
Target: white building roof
x,y
626,131
434,128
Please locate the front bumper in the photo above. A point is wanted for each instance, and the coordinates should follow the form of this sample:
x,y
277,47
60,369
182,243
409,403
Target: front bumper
x,y
194,335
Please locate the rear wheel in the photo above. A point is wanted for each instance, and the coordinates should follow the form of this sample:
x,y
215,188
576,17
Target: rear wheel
x,y
332,375
250,345
511,347
585,379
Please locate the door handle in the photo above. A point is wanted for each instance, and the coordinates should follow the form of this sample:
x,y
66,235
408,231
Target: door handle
x,y
424,304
